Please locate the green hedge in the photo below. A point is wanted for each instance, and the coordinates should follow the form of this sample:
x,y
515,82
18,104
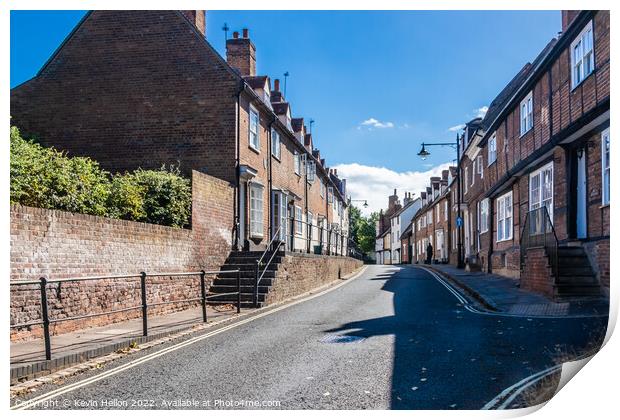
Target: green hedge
x,y
46,178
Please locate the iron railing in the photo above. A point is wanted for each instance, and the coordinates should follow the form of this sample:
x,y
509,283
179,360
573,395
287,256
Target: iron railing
x,y
45,320
538,232
274,245
330,240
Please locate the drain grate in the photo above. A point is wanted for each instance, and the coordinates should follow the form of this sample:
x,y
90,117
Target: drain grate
x,y
342,339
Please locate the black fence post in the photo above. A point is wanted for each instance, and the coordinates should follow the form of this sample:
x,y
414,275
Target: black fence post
x,y
203,292
144,305
255,294
238,291
46,319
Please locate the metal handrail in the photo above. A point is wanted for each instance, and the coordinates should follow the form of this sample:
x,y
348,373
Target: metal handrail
x,y
259,276
46,321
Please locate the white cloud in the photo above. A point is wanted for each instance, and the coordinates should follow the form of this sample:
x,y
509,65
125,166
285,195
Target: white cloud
x,y
457,127
375,123
375,184
481,112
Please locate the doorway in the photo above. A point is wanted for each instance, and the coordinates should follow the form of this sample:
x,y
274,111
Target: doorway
x,y
581,217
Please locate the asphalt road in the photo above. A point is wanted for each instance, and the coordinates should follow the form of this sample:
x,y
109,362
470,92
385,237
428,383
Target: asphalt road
x,y
392,338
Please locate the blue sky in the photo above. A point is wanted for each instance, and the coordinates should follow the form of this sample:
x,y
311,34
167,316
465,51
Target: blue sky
x,y
409,75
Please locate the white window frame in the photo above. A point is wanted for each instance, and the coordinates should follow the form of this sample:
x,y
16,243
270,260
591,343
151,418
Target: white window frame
x,y
299,226
473,173
502,217
582,56
492,151
330,194
526,114
254,129
536,201
605,166
483,215
480,166
429,217
465,176
322,189
256,210
276,144
445,210
297,162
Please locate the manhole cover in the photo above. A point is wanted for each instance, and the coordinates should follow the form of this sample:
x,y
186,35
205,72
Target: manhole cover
x,y
341,339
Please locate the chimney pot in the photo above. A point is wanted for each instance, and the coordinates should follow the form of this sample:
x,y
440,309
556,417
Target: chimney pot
x,y
276,85
235,35
245,33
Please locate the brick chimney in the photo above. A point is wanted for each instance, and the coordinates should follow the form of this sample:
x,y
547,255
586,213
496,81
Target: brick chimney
x,y
392,202
567,18
241,54
198,18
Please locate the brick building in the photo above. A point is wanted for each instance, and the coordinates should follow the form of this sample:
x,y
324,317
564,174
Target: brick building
x,y
140,89
535,171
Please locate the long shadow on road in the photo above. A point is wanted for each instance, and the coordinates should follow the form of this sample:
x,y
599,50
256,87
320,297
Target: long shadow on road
x,y
446,357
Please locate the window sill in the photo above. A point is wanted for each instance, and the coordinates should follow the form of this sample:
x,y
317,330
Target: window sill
x,y
278,158
581,82
604,206
256,236
523,134
503,240
254,149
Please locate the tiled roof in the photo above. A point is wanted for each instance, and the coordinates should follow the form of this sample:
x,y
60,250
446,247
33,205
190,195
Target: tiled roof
x,y
297,123
280,108
256,82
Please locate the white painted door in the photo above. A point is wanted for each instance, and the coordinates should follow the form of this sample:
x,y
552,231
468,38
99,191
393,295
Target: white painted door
x,y
582,226
441,251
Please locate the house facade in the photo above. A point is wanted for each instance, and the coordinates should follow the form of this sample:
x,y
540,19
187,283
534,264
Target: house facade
x,y
399,222
142,89
534,172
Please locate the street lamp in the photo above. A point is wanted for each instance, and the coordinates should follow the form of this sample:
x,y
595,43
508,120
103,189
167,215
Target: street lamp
x,y
423,153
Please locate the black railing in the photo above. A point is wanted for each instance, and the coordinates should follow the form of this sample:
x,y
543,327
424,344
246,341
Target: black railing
x,y
274,245
538,232
45,320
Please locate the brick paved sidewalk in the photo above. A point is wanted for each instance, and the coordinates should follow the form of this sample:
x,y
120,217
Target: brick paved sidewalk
x,y
28,357
504,295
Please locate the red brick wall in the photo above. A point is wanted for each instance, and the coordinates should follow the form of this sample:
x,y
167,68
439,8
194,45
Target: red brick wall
x,y
537,275
298,274
58,244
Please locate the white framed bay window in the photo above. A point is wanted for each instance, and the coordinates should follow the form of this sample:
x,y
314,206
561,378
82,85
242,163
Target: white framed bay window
x,y
504,217
483,215
256,210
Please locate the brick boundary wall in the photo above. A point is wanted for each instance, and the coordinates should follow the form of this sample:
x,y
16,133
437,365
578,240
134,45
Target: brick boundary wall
x,y
59,244
537,274
301,273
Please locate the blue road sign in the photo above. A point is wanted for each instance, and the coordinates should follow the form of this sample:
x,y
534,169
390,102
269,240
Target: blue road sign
x,y
459,221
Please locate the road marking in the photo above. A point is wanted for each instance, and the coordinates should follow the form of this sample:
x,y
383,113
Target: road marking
x,y
80,384
507,396
469,306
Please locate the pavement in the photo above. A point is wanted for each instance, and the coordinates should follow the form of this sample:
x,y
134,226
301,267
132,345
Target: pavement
x,y
28,357
392,338
504,295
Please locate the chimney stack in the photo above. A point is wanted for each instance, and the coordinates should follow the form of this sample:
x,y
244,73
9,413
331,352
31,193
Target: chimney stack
x,y
198,19
241,53
276,85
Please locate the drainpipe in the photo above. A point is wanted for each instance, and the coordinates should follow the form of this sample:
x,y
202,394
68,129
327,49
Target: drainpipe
x,y
237,209
491,236
270,179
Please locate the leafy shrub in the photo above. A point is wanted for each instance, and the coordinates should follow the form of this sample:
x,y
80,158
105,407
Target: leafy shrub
x,y
46,178
167,196
126,200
